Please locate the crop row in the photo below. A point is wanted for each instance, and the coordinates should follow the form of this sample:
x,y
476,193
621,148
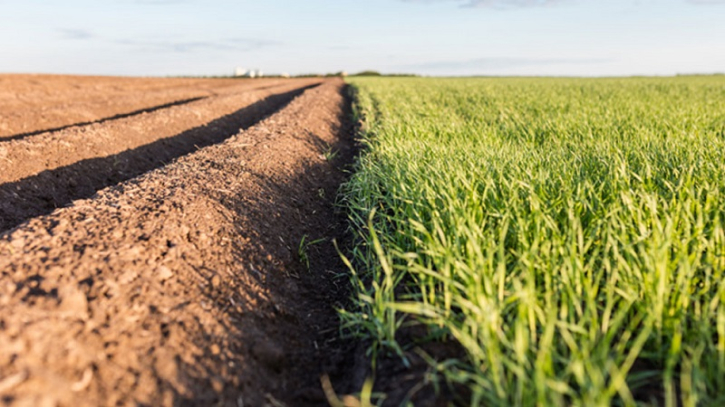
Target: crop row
x,y
567,234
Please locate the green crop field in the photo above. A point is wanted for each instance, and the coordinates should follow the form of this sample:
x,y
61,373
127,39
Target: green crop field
x,y
567,234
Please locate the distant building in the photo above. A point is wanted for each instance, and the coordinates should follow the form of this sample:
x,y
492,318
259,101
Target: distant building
x,y
248,73
284,75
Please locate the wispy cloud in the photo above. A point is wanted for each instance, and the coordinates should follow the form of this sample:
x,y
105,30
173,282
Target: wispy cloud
x,y
74,34
704,2
505,4
484,65
156,2
229,44
497,3
160,2
513,3
340,48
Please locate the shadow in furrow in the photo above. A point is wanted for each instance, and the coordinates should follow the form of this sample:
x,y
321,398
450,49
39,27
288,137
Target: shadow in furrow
x,y
103,120
42,193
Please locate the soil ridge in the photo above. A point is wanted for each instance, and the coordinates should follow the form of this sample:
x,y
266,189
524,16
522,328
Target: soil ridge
x,y
191,284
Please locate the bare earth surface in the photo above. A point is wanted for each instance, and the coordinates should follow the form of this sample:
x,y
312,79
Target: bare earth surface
x,y
33,103
50,169
186,284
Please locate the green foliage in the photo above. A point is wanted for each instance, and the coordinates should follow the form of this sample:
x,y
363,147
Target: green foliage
x,y
376,73
303,249
568,233
368,73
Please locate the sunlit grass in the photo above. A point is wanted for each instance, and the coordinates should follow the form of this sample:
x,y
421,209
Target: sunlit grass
x,y
567,233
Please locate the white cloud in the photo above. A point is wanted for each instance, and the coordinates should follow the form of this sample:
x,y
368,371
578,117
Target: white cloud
x,y
179,46
497,64
75,34
512,3
503,4
496,3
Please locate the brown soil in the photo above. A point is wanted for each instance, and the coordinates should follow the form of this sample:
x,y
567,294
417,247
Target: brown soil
x,y
48,170
35,103
185,285
412,381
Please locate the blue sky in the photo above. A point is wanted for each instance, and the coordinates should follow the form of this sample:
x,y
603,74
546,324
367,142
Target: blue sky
x,y
430,37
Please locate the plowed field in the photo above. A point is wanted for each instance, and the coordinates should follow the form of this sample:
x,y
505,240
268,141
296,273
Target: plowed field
x,y
155,240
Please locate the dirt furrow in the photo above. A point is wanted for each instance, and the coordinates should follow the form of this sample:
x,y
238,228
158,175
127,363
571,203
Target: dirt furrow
x,y
187,285
21,158
46,172
147,109
31,104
